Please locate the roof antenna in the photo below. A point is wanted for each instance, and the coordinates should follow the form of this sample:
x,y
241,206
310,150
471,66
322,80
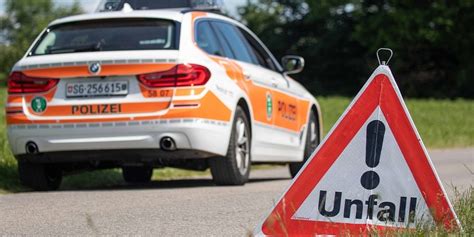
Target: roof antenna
x,y
127,8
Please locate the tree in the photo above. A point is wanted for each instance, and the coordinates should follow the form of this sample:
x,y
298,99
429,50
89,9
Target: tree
x,y
317,30
22,23
432,40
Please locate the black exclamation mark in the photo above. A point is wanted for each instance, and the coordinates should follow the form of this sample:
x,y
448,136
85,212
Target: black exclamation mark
x,y
375,132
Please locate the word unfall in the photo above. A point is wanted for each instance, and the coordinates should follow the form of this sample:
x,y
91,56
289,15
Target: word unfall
x,y
385,211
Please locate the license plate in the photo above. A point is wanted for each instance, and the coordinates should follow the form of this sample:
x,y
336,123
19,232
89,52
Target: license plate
x,y
95,89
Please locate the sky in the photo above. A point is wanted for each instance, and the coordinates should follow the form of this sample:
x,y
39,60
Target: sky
x,y
91,5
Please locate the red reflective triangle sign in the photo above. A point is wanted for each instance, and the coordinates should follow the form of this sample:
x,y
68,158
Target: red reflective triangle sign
x,y
372,171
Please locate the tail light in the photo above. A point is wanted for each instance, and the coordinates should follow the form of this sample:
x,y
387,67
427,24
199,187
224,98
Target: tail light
x,y
21,83
180,75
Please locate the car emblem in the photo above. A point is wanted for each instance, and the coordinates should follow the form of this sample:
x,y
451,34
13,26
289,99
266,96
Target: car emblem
x,y
94,68
38,104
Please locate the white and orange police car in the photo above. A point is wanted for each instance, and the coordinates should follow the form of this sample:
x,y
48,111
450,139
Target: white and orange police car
x,y
144,89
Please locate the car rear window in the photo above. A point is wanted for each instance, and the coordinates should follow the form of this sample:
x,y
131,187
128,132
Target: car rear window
x,y
108,35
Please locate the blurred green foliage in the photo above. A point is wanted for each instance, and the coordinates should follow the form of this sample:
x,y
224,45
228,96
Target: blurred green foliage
x,y
432,41
22,23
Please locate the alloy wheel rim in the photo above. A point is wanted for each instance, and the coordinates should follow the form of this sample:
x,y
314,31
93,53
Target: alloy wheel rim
x,y
242,146
313,135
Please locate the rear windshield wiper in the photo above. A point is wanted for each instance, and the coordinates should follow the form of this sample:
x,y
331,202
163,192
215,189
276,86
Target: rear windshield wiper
x,y
69,49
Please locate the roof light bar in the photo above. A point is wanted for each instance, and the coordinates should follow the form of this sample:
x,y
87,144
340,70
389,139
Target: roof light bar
x,y
207,4
120,5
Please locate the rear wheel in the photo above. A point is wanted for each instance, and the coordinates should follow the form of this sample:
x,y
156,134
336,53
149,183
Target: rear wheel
x,y
312,141
137,174
234,168
39,177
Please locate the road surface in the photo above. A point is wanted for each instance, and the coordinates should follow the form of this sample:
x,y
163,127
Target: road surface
x,y
193,207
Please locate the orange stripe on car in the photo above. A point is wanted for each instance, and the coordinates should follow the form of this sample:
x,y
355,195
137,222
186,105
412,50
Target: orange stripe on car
x,y
288,111
189,91
211,108
14,99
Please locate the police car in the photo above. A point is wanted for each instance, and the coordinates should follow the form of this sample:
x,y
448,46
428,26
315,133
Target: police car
x,y
144,89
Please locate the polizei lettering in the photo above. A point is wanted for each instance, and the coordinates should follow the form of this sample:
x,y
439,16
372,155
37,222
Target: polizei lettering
x,y
96,109
374,208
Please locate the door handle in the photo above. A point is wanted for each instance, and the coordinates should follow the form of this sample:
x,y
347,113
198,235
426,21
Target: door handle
x,y
247,76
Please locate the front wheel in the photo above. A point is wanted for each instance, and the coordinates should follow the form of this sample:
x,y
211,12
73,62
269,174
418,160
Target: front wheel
x,y
312,141
234,168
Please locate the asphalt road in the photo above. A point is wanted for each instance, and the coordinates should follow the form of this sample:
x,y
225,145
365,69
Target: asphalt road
x,y
193,207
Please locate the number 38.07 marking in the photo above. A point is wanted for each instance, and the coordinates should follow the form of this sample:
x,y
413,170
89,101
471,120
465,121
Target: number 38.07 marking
x,y
158,93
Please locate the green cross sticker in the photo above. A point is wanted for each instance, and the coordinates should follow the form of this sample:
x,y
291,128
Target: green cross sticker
x,y
269,106
38,104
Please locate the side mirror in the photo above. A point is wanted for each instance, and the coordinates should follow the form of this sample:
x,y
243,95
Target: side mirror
x,y
292,64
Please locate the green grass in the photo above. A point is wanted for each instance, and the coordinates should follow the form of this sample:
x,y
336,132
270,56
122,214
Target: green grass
x,y
8,175
464,208
441,123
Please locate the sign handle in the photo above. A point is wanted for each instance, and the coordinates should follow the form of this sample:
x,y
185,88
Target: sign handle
x,y
388,60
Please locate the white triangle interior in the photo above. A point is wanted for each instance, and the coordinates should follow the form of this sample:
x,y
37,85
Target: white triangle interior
x,y
396,181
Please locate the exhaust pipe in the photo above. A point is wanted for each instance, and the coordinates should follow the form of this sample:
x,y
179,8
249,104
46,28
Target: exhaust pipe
x,y
31,148
167,144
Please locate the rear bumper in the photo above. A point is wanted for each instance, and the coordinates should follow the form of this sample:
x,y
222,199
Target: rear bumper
x,y
206,136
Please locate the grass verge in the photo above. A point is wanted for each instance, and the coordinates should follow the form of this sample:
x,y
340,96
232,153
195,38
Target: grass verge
x,y
464,208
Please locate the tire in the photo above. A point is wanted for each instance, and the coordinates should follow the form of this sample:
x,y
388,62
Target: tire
x,y
312,141
137,174
234,168
39,177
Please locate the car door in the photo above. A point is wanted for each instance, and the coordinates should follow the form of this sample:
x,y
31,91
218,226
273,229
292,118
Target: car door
x,y
287,117
275,132
258,85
